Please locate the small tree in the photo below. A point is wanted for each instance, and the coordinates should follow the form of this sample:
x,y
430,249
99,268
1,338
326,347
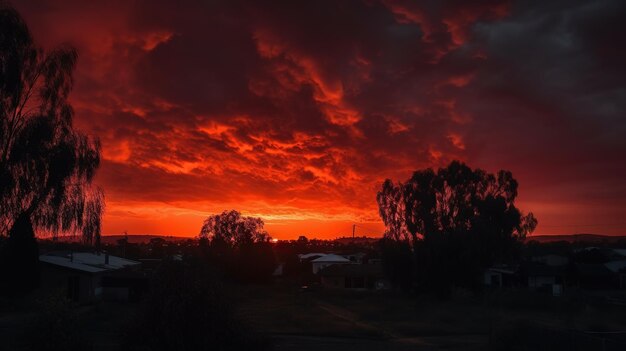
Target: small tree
x,y
233,229
239,245
457,220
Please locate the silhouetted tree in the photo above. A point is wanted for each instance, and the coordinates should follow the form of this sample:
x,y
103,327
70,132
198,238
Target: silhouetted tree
x,y
46,166
19,259
391,208
457,220
233,229
239,246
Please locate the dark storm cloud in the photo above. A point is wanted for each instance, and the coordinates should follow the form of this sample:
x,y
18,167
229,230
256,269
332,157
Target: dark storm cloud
x,y
308,106
553,87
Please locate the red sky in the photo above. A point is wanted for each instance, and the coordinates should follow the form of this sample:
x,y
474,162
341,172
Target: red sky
x,y
296,111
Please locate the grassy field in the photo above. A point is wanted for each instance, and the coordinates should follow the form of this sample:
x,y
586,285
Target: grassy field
x,y
328,320
464,322
395,321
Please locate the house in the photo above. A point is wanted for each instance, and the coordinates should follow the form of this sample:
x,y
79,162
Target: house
x,y
310,256
357,257
327,260
544,278
354,276
87,277
124,285
500,276
619,253
619,269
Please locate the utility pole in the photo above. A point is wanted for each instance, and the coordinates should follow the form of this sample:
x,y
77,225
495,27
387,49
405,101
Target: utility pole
x,y
353,229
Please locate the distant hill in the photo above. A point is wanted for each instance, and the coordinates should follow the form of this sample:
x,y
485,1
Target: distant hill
x,y
544,238
356,240
141,238
576,238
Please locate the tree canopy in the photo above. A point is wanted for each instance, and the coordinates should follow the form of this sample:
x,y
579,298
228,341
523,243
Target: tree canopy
x,y
456,217
238,246
233,229
46,165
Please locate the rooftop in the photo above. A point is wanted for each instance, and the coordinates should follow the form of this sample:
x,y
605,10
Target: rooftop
x,y
332,258
86,261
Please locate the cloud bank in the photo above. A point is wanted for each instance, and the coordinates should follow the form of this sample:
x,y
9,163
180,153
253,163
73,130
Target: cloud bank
x,y
297,111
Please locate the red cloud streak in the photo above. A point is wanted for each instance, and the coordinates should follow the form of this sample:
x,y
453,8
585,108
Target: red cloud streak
x,y
297,111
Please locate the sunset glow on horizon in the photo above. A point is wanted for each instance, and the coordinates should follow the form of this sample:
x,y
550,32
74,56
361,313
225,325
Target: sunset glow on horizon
x,y
296,111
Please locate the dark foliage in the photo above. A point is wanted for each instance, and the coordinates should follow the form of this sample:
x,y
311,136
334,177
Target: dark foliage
x,y
398,262
238,246
56,327
457,221
590,256
19,259
255,263
186,310
46,166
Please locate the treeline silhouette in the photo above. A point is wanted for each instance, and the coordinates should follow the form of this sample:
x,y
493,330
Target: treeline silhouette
x,y
445,227
238,247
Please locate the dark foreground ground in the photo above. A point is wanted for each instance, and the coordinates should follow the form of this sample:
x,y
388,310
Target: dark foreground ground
x,y
322,320
368,321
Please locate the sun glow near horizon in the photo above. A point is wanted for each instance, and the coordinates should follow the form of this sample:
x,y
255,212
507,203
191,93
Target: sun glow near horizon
x,y
186,220
239,107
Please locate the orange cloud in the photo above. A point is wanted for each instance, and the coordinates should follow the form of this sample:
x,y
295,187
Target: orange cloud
x,y
297,112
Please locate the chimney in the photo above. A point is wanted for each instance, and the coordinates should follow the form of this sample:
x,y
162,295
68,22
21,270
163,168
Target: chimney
x,y
106,258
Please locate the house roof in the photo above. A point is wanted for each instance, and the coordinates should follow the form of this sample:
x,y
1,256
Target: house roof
x,y
331,258
502,269
309,255
86,261
353,270
616,266
357,254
